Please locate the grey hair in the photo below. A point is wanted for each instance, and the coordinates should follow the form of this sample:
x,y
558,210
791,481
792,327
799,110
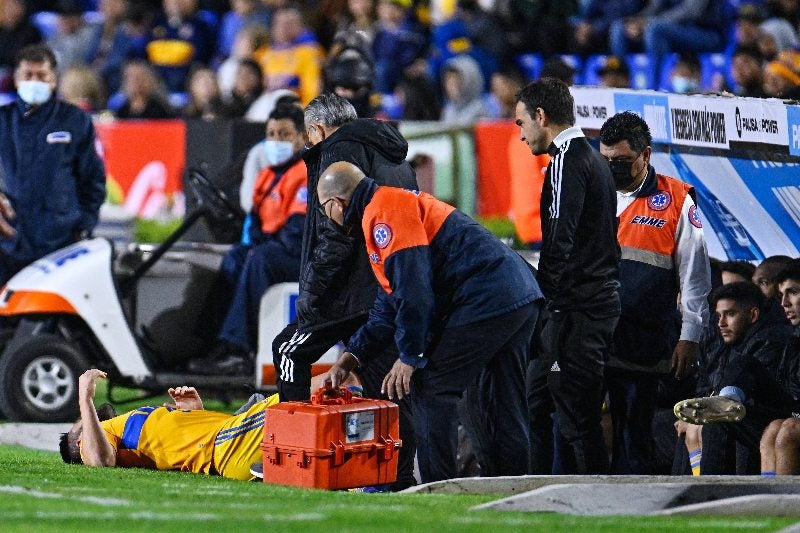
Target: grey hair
x,y
330,110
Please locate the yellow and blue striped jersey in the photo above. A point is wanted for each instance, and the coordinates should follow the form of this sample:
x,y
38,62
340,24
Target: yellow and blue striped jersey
x,y
192,441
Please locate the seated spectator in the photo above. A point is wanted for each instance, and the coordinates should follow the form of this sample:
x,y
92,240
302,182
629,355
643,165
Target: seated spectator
x,y
450,39
179,39
557,68
350,74
293,60
753,334
766,274
273,255
204,99
462,84
749,17
73,38
688,26
82,87
243,13
144,96
397,45
111,43
248,40
16,32
416,98
360,17
747,72
782,76
550,18
615,73
776,35
483,29
736,271
591,27
247,87
685,75
505,85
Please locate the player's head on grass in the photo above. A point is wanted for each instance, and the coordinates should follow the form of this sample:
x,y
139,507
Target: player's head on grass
x,y
69,442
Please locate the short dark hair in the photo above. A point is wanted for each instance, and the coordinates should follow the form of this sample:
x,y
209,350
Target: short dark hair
x,y
743,268
36,53
68,442
789,272
744,293
289,111
626,126
553,97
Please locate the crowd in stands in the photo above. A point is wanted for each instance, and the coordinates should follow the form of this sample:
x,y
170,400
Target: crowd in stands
x,y
403,59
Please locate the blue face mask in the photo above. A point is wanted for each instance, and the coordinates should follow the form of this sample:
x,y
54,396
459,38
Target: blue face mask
x,y
278,152
34,92
683,85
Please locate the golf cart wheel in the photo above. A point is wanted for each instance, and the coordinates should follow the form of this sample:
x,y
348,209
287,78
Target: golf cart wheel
x,y
39,380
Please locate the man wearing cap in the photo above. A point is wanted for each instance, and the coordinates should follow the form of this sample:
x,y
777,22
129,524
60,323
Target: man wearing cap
x,y
52,182
615,73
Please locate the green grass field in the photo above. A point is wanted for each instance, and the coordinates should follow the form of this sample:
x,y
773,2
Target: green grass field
x,y
40,493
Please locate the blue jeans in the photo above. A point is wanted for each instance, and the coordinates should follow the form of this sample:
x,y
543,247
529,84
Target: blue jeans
x,y
254,270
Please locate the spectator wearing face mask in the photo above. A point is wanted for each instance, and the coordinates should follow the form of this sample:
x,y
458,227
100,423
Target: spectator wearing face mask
x,y
272,250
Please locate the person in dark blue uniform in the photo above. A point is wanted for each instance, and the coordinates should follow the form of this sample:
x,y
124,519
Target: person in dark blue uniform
x,y
52,182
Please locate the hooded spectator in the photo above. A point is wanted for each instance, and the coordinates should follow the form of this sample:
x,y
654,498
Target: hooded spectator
x,y
462,83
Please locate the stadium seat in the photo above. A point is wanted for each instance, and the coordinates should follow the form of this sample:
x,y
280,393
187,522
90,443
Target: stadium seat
x,y
576,62
712,65
531,65
7,98
642,75
391,107
593,64
115,101
46,22
664,83
178,100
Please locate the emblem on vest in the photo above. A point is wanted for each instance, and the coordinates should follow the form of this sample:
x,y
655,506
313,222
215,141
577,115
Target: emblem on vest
x,y
659,201
382,234
375,258
648,221
694,217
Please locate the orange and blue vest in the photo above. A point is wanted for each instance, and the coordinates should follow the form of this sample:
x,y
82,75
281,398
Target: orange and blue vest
x,y
276,202
649,324
437,267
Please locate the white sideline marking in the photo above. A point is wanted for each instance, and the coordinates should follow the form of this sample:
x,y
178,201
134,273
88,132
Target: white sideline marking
x,y
14,489
149,515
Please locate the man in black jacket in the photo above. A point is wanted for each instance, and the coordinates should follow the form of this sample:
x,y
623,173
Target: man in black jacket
x,y
337,287
749,367
578,270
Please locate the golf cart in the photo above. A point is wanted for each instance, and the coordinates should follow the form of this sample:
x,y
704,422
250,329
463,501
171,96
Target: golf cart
x,y
137,315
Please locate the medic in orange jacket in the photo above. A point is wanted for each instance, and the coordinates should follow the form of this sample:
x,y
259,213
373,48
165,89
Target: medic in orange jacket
x,y
663,255
438,268
279,200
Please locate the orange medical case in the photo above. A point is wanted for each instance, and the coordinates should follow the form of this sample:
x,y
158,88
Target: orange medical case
x,y
335,441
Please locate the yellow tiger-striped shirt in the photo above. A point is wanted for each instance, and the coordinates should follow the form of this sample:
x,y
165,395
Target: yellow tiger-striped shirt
x,y
204,442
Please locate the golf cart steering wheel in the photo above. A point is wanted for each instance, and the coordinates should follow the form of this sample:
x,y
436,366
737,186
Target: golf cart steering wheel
x,y
213,199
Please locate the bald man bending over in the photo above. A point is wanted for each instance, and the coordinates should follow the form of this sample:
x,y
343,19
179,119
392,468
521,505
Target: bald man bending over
x,y
458,303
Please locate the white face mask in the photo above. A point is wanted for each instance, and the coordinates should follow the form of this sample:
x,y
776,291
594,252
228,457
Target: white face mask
x,y
278,152
34,92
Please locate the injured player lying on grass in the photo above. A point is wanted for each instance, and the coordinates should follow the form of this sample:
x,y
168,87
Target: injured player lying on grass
x,y
180,435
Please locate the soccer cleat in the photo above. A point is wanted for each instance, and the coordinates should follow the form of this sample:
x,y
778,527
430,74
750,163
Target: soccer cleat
x,y
257,470
709,409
